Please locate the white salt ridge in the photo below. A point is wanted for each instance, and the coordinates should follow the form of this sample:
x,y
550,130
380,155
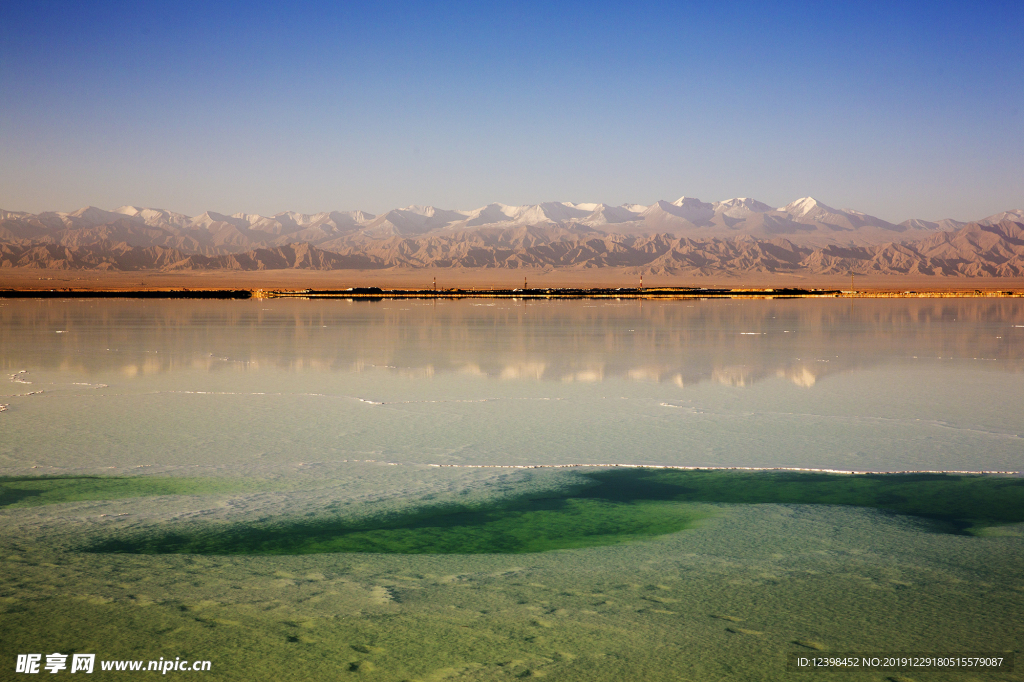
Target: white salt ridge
x,y
326,395
22,395
713,468
452,400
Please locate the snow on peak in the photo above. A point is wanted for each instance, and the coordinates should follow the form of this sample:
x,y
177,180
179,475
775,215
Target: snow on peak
x,y
211,217
154,217
802,207
425,211
687,208
303,219
741,206
551,212
1016,215
691,202
251,218
604,215
91,212
730,216
492,213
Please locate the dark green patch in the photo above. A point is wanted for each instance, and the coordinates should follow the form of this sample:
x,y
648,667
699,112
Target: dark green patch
x,y
518,526
957,503
613,507
31,491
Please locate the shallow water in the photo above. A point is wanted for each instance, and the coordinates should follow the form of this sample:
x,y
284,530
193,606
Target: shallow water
x,y
285,410
880,385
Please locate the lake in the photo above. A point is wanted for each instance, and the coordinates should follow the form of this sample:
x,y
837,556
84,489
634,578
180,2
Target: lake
x,y
384,488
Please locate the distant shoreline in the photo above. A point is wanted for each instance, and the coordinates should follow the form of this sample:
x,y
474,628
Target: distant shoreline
x,y
610,282
619,293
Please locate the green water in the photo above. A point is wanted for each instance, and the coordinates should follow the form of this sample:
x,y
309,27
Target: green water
x,y
32,491
613,507
956,503
522,527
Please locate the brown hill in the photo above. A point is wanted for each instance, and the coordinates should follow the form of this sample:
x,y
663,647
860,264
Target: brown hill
x,y
975,250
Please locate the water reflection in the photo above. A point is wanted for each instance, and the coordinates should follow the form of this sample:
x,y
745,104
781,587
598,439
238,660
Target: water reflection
x,y
735,343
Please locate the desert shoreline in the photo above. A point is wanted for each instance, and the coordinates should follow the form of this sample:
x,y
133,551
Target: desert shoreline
x,y
482,282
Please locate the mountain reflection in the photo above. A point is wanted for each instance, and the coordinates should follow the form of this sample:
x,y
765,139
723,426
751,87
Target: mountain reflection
x,y
731,342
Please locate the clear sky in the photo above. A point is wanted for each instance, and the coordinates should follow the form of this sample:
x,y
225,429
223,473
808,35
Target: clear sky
x,y
899,109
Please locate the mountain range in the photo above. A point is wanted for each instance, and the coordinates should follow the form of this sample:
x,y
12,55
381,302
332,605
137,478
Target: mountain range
x,y
687,235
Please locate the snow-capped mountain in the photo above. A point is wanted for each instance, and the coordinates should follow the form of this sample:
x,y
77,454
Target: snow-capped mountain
x,y
1015,216
804,222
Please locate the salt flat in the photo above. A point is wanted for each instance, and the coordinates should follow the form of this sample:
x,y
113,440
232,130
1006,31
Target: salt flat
x,y
295,409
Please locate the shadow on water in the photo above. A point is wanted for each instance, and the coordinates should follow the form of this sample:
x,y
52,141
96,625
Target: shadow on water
x,y
33,491
610,508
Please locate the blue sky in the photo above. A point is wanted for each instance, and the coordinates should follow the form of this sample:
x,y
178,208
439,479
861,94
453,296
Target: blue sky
x,y
898,109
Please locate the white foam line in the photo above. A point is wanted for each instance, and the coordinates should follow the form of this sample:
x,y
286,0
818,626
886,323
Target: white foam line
x,y
348,397
457,400
278,395
712,468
